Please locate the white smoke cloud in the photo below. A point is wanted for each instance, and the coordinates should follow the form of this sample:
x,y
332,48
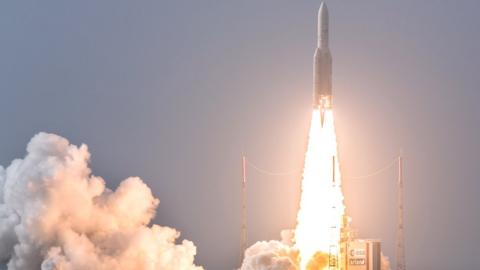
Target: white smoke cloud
x,y
55,215
271,255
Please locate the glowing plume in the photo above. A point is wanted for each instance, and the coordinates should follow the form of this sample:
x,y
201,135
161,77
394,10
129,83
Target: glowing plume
x,y
319,218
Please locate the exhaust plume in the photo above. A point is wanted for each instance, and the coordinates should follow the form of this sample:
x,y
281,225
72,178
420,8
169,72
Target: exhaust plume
x,y
56,215
319,218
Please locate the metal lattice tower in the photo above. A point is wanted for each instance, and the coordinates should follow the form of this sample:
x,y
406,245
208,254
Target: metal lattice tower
x,y
401,265
244,210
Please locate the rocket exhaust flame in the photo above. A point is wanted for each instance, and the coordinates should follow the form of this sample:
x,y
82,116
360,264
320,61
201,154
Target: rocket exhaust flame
x,y
319,219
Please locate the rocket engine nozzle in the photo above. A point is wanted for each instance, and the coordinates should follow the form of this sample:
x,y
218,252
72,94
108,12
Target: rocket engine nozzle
x,y
323,104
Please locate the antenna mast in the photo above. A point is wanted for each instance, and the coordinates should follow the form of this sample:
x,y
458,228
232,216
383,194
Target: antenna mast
x,y
244,209
400,230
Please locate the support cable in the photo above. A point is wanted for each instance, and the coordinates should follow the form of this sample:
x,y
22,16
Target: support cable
x,y
286,173
377,172
271,173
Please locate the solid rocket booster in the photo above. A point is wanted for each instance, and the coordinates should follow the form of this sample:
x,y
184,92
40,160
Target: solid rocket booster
x,y
322,65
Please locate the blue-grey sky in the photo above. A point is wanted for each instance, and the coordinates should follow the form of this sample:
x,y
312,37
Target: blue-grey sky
x,y
176,91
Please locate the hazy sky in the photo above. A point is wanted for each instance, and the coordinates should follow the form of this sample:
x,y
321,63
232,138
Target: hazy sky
x,y
176,91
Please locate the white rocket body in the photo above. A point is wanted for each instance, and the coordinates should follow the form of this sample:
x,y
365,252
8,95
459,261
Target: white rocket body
x,y
322,65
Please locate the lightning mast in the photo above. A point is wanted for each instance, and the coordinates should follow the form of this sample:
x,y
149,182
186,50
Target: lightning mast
x,y
400,229
244,209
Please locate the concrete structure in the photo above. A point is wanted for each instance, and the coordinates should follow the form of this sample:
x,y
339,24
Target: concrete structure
x,y
361,254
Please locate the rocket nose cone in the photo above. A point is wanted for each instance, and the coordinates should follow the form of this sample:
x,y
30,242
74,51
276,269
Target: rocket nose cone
x,y
323,25
323,10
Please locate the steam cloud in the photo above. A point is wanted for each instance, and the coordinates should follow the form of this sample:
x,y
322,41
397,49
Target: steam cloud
x,y
271,255
55,215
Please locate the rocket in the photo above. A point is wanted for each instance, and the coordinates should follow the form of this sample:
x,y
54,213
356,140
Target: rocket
x,y
322,66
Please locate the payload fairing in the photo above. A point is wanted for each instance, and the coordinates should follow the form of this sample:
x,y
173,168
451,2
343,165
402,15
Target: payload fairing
x,y
322,66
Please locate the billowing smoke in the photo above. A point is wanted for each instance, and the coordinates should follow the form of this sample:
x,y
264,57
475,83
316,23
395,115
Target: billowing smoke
x,y
271,255
279,255
55,215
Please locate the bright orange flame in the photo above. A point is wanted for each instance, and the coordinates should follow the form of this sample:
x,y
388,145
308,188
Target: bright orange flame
x,y
319,218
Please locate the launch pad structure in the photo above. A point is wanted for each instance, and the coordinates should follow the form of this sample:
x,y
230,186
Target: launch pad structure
x,y
244,208
354,253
